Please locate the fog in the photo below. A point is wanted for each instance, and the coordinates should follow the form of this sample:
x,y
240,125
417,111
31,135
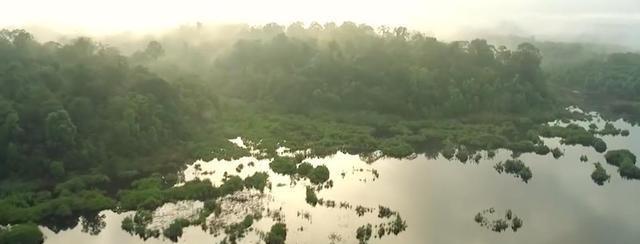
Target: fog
x,y
599,21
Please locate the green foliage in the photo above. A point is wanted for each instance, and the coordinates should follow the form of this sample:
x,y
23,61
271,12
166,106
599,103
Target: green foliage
x,y
584,158
462,155
311,197
599,174
610,129
150,193
231,185
21,234
138,224
304,169
363,233
277,234
629,171
557,153
257,181
79,121
515,167
396,148
448,152
174,231
319,174
398,225
282,165
237,231
57,169
36,207
574,135
620,157
599,145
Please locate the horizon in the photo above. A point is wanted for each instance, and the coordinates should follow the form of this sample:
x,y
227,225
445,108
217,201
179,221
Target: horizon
x,y
591,21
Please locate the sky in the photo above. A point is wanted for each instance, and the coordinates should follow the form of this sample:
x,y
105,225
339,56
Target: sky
x,y
609,20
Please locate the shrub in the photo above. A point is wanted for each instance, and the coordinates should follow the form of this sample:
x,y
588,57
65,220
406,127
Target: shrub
x,y
619,157
319,175
257,181
304,169
557,153
174,231
278,234
21,234
599,175
311,197
363,233
282,165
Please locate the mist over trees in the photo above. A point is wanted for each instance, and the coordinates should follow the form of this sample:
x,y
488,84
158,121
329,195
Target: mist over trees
x,y
84,127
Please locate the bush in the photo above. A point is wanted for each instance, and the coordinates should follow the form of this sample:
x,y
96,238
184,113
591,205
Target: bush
x,y
629,171
319,175
584,158
396,148
174,231
278,234
599,145
304,169
448,152
311,197
282,165
363,233
619,157
542,149
557,153
599,175
257,181
462,155
515,167
624,132
231,185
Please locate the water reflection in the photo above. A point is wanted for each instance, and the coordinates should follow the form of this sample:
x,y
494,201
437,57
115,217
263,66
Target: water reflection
x,y
93,224
436,198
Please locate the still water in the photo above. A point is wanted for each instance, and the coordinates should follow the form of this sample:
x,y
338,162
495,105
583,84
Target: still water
x,y
438,199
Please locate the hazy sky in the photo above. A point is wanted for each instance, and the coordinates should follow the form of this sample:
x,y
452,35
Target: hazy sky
x,y
620,18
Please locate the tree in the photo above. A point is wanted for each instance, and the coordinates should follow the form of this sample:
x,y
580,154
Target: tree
x,y
57,169
60,131
278,234
319,175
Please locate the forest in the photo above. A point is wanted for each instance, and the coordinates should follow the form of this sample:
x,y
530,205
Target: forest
x,y
85,126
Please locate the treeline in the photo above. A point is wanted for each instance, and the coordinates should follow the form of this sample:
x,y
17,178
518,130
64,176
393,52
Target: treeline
x,y
82,106
391,71
616,75
609,84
